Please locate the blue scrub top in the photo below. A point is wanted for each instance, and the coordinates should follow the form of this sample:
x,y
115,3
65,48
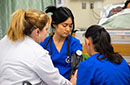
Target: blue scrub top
x,y
95,72
58,59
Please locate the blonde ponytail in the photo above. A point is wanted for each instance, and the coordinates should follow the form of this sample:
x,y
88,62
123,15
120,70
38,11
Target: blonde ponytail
x,y
16,27
23,23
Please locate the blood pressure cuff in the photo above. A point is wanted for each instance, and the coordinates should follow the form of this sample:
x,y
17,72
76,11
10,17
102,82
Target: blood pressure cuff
x,y
75,60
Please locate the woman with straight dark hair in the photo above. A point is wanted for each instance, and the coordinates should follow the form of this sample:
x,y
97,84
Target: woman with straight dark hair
x,y
61,45
104,67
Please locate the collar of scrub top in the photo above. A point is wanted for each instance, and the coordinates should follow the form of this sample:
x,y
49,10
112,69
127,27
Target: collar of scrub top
x,y
68,59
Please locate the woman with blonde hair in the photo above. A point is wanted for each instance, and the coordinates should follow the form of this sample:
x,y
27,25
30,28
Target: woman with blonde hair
x,y
22,58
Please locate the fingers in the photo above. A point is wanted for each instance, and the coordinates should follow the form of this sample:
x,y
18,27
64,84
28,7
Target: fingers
x,y
74,78
75,74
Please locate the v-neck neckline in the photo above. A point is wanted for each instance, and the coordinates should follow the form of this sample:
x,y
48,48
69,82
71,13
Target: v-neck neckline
x,y
61,47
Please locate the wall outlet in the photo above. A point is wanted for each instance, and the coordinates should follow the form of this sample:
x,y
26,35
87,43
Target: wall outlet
x,y
91,5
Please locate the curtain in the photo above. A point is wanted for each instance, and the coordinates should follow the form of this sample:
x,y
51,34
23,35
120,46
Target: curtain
x,y
7,7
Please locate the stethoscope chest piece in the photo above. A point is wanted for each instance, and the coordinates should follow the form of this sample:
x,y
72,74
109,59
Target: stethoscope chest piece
x,y
68,60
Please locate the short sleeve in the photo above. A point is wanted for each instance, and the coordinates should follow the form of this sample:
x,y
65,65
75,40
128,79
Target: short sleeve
x,y
85,73
75,45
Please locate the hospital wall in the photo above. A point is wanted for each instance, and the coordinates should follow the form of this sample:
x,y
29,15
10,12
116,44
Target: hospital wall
x,y
86,17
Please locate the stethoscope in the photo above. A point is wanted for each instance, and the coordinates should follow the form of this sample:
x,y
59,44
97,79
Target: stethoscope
x,y
68,59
